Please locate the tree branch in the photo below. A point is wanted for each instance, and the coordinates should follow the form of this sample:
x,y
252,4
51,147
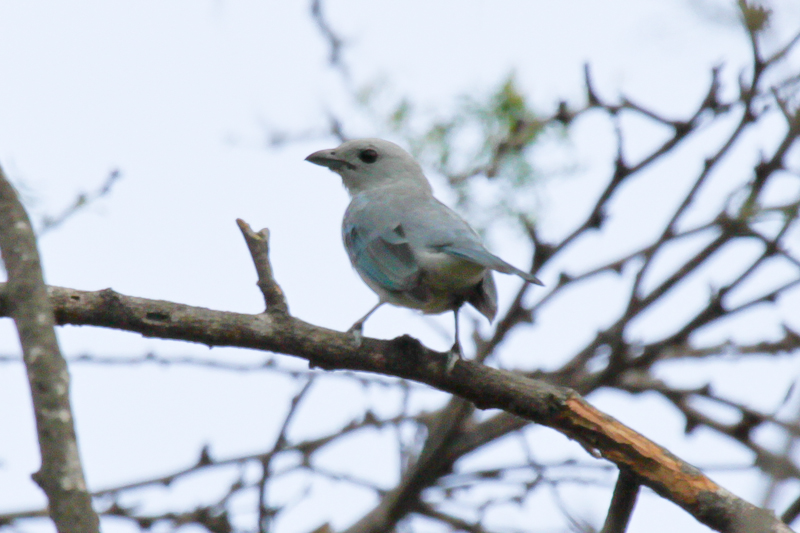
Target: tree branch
x,y
258,244
622,503
25,300
433,463
557,407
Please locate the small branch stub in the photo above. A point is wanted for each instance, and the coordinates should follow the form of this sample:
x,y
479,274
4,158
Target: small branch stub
x,y
258,244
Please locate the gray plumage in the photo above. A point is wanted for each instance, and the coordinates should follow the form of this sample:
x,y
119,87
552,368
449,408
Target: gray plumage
x,y
407,246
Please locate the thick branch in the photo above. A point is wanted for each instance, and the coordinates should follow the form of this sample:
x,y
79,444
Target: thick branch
x,y
556,407
25,300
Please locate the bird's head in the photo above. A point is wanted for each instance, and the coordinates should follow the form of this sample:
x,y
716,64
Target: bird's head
x,y
366,164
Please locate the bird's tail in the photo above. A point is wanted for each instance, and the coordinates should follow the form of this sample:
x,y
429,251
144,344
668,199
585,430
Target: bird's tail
x,y
487,259
484,297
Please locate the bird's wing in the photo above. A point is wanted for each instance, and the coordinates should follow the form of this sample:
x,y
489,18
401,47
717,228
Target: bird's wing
x,y
480,255
382,255
447,232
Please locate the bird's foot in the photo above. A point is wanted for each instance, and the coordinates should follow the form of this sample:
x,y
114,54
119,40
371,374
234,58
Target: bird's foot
x,y
357,331
453,356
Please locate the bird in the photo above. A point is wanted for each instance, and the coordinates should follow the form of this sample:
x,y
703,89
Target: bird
x,y
409,248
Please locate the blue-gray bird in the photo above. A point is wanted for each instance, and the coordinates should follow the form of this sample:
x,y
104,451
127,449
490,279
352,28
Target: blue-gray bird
x,y
410,248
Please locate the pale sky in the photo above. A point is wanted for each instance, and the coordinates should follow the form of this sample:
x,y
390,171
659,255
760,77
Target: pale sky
x,y
176,95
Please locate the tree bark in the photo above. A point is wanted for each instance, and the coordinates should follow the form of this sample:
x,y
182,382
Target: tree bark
x,y
557,407
25,300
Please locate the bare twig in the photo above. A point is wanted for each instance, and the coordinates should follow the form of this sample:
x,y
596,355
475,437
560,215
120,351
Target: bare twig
x,y
258,244
82,201
265,513
335,43
430,466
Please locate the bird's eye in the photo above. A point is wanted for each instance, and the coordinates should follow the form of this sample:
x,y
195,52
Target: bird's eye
x,y
368,156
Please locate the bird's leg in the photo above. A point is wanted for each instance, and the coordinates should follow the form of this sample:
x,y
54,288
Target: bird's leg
x,y
356,330
454,355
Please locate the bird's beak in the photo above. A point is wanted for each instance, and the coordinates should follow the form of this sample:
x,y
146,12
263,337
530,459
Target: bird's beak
x,y
327,158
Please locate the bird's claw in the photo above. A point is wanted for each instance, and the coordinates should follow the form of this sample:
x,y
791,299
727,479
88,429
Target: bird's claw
x,y
356,330
453,356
